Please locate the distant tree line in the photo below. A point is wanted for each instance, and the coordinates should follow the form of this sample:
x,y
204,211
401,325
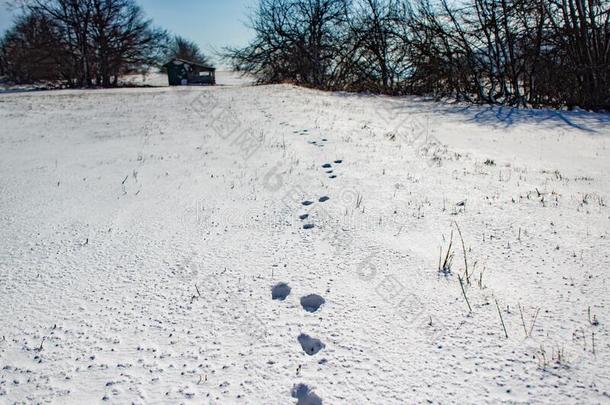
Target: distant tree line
x,y
86,43
513,52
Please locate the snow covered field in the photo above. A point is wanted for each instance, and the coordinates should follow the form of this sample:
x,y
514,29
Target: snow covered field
x,y
142,232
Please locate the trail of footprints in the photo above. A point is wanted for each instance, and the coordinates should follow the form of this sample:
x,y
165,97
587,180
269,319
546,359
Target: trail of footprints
x,y
306,203
310,345
318,143
330,171
310,303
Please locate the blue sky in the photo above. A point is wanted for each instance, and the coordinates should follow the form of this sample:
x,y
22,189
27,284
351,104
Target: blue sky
x,y
211,23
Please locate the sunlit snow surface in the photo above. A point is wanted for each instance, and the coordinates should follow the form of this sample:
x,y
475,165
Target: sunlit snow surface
x,y
142,232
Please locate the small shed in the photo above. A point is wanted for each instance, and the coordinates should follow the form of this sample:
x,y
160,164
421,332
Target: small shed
x,y
182,72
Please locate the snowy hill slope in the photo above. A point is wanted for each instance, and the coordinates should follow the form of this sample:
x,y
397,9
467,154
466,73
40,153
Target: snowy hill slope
x,y
142,232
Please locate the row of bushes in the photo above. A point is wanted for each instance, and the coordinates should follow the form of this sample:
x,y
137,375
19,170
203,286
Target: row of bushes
x,y
513,52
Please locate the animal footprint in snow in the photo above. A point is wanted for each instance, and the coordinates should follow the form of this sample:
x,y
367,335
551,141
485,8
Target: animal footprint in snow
x,y
326,166
338,161
305,396
303,216
308,226
332,176
307,202
312,302
280,291
310,345
324,199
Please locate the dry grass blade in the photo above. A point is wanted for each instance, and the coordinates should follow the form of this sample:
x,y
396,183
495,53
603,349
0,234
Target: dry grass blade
x,y
522,320
464,293
445,267
464,251
501,319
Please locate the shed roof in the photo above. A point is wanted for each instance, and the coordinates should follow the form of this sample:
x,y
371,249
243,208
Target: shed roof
x,y
199,65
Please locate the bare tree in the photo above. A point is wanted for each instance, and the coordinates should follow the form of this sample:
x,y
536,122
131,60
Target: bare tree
x,y
31,51
94,41
378,46
186,49
514,52
122,39
580,37
296,40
